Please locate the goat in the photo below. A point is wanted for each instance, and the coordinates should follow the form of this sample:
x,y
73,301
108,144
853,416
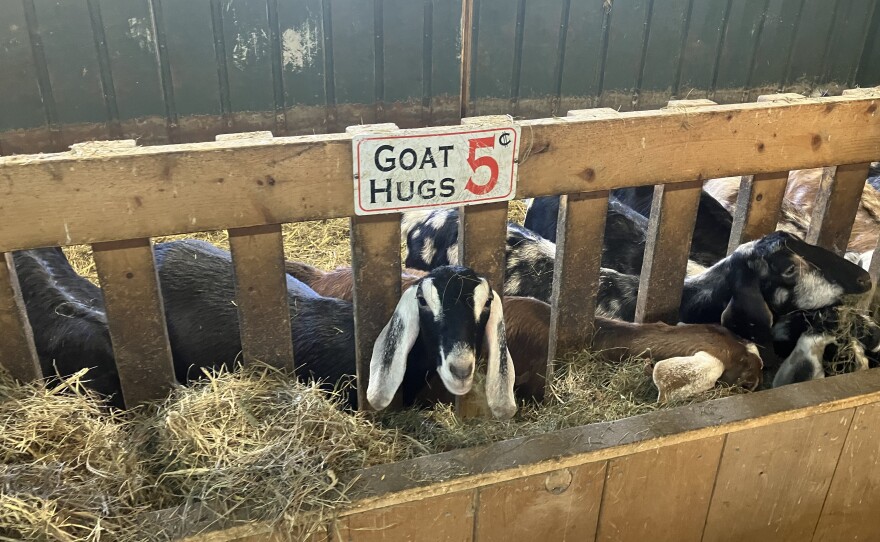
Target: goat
x,y
69,323
528,329
744,291
798,202
438,327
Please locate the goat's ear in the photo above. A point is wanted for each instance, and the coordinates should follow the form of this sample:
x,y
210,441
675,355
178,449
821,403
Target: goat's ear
x,y
388,363
747,313
499,366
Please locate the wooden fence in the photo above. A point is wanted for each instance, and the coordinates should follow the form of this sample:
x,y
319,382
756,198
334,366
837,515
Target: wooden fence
x,y
115,196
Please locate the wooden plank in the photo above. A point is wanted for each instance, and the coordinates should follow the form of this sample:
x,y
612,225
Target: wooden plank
x,y
136,318
837,201
758,206
773,480
261,295
18,355
850,510
441,519
670,482
558,505
197,187
580,231
667,247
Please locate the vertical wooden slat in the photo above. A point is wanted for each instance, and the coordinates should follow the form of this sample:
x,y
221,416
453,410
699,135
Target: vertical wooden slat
x,y
850,511
773,480
559,505
670,229
645,490
375,263
136,318
758,205
837,202
261,295
17,352
261,288
874,271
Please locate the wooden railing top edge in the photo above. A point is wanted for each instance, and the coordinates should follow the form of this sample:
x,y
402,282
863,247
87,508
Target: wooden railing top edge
x,y
93,194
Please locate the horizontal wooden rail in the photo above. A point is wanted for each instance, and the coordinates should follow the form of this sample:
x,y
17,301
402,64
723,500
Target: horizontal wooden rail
x,y
93,195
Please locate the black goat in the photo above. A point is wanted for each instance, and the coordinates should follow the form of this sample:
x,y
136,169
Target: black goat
x,y
66,313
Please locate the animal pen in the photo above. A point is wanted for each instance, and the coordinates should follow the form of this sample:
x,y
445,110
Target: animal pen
x,y
794,463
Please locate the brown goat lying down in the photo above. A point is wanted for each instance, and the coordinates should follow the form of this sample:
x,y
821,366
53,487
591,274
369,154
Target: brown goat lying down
x,y
527,322
798,202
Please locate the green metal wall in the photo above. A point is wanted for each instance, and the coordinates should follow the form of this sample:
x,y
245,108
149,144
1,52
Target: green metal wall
x,y
185,70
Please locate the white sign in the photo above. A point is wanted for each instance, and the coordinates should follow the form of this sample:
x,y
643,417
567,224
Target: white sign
x,y
434,167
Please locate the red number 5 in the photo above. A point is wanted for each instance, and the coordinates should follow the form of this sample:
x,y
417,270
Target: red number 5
x,y
476,163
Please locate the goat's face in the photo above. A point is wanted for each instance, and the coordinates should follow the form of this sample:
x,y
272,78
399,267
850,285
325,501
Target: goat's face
x,y
796,275
451,310
744,370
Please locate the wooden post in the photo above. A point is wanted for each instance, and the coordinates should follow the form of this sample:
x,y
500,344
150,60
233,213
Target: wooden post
x,y
758,205
668,243
375,263
580,231
18,355
482,242
261,287
136,318
840,192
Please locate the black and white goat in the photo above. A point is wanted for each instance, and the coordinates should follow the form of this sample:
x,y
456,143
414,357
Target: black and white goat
x,y
66,313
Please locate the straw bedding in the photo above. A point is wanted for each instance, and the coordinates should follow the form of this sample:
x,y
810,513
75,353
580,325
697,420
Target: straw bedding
x,y
249,445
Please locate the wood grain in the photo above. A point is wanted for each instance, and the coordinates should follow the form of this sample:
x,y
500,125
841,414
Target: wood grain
x,y
136,319
758,206
643,491
162,190
773,480
261,295
850,511
446,518
18,355
375,263
837,201
559,505
667,247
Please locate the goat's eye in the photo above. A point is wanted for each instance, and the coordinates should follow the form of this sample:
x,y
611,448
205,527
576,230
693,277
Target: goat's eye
x,y
789,271
422,301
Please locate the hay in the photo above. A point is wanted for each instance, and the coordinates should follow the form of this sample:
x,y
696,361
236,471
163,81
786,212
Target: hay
x,y
586,389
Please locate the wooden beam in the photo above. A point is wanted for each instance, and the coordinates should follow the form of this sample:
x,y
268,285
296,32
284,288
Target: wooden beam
x,y
261,295
136,319
668,245
758,206
837,201
161,190
18,355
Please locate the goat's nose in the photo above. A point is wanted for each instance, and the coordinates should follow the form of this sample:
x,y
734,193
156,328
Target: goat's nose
x,y
461,372
864,282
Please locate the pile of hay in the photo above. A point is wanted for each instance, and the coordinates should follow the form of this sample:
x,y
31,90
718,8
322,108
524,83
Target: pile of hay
x,y
251,445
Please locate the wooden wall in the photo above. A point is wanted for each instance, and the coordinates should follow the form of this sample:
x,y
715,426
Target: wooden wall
x,y
163,71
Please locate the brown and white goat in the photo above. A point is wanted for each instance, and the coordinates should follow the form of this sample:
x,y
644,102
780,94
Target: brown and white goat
x,y
527,324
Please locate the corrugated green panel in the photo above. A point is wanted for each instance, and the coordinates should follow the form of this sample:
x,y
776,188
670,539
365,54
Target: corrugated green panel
x,y
66,31
740,39
701,46
128,28
353,55
190,41
302,51
20,106
869,70
445,49
664,44
403,38
774,49
492,70
626,41
248,55
810,41
847,37
539,54
583,50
